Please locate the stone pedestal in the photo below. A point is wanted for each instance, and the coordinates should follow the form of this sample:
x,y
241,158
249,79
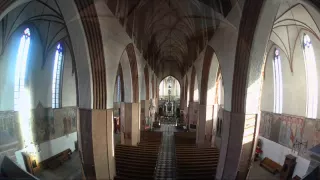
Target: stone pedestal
x,y
205,125
130,123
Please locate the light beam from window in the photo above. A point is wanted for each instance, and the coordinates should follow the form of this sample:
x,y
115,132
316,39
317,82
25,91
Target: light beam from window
x,y
20,71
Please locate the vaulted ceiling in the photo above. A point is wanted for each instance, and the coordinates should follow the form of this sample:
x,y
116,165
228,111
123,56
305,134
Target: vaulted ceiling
x,y
170,33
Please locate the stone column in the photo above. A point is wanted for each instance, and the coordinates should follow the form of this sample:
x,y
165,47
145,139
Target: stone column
x,y
130,123
214,124
103,145
205,125
189,114
95,138
231,145
85,143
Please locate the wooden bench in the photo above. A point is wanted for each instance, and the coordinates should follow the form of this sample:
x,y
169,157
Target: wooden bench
x,y
193,162
56,160
270,165
138,162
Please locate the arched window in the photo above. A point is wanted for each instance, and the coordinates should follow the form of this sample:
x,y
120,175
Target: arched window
x,y
277,79
20,71
57,76
118,89
312,80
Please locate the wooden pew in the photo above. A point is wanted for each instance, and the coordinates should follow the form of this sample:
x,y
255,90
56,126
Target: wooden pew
x,y
193,162
138,162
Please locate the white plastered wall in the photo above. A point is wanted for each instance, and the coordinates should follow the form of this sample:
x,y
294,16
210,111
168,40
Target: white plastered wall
x,y
212,79
39,70
294,82
39,74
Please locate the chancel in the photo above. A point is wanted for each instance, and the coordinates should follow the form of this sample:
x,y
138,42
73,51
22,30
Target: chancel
x,y
159,89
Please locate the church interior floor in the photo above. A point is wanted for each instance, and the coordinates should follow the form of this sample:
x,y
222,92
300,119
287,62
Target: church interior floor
x,y
166,167
70,170
259,173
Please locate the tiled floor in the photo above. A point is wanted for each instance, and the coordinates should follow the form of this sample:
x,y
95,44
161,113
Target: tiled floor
x,y
166,160
70,170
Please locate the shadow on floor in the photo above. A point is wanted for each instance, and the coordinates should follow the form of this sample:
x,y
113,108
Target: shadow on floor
x,y
70,170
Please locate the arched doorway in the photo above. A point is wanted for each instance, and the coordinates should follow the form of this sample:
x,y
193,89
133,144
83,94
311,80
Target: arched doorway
x,y
169,98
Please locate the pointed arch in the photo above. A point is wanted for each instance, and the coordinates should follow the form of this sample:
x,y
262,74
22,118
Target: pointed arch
x,y
134,71
120,75
205,74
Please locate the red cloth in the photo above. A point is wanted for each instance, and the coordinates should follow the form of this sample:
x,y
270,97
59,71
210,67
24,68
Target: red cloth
x,y
258,150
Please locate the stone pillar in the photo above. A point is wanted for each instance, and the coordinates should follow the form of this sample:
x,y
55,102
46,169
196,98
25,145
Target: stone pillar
x,y
214,124
250,133
85,143
205,125
193,114
103,143
130,123
189,114
231,145
95,138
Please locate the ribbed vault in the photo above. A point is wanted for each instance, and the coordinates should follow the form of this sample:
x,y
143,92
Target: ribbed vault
x,y
170,31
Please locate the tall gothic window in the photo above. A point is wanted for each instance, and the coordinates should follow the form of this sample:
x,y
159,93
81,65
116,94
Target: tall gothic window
x,y
277,78
312,80
57,76
20,71
118,89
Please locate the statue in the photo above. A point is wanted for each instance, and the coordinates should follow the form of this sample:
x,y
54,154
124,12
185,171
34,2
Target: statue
x,y
152,110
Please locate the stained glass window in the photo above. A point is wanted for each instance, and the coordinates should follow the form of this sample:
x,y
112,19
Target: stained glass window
x,y
118,89
277,78
56,78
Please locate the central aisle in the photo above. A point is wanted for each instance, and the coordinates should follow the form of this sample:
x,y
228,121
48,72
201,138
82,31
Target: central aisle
x,y
166,165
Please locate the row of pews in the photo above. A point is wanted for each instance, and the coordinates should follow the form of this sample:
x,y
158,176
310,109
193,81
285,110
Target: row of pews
x,y
193,162
138,162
